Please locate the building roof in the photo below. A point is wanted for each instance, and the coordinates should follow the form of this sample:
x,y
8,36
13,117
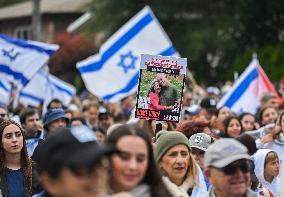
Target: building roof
x,y
47,7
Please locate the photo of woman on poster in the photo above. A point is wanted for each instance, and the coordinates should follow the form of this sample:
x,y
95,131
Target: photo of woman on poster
x,y
154,96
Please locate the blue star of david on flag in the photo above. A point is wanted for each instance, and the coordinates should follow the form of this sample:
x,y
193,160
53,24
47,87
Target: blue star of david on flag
x,y
127,61
12,55
116,66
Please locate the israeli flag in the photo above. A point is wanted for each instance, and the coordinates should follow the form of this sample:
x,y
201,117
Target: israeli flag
x,y
44,87
113,73
21,59
247,91
5,91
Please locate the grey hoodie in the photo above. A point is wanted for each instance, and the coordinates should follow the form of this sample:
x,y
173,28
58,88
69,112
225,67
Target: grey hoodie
x,y
259,160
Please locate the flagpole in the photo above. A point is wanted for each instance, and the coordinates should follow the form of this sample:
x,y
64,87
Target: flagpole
x,y
36,20
254,55
16,97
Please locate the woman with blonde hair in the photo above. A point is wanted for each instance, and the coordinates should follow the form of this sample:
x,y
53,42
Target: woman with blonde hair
x,y
15,164
182,176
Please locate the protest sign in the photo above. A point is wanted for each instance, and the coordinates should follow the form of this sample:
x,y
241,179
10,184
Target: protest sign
x,y
160,88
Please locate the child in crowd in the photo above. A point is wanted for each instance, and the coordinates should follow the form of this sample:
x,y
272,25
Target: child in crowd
x,y
101,135
267,170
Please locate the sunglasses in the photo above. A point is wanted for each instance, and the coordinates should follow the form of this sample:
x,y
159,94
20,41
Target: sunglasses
x,y
231,169
3,115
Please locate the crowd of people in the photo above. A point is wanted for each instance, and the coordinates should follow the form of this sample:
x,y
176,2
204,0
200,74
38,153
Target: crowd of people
x,y
93,148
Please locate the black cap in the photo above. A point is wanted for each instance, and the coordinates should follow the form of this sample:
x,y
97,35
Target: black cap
x,y
208,103
103,112
73,148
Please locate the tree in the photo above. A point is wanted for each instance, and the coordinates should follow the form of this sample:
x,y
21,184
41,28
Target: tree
x,y
212,35
73,48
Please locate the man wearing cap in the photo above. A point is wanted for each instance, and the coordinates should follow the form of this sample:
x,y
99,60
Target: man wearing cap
x,y
55,118
228,169
213,92
71,163
199,144
190,112
105,119
208,107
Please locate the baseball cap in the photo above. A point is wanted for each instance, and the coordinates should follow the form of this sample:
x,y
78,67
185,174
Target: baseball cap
x,y
192,110
208,103
225,151
200,140
103,113
213,90
73,148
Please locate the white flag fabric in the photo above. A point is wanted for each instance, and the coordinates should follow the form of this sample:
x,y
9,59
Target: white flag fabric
x,y
44,87
247,91
21,59
114,72
5,91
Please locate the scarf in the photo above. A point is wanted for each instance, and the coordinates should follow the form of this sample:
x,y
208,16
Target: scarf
x,y
177,191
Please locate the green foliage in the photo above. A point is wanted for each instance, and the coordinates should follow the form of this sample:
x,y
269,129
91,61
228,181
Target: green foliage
x,y
145,81
147,78
214,36
178,82
73,48
271,59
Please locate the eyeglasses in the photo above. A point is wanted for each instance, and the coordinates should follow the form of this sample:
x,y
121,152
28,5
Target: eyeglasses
x,y
3,115
232,168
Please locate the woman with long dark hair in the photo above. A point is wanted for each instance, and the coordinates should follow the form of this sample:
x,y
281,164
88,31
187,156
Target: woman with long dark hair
x,y
134,169
267,115
233,127
248,121
15,164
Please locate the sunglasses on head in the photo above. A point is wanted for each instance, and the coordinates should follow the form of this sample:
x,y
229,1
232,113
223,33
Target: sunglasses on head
x,y
232,168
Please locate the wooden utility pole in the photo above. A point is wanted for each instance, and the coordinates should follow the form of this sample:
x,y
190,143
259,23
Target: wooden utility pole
x,y
36,20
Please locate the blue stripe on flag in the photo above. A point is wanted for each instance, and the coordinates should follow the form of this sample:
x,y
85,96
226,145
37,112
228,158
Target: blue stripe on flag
x,y
4,87
24,44
16,75
127,88
35,98
131,33
169,51
241,88
62,89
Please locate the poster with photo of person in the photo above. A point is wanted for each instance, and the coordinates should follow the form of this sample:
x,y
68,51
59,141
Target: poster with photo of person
x,y
160,87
